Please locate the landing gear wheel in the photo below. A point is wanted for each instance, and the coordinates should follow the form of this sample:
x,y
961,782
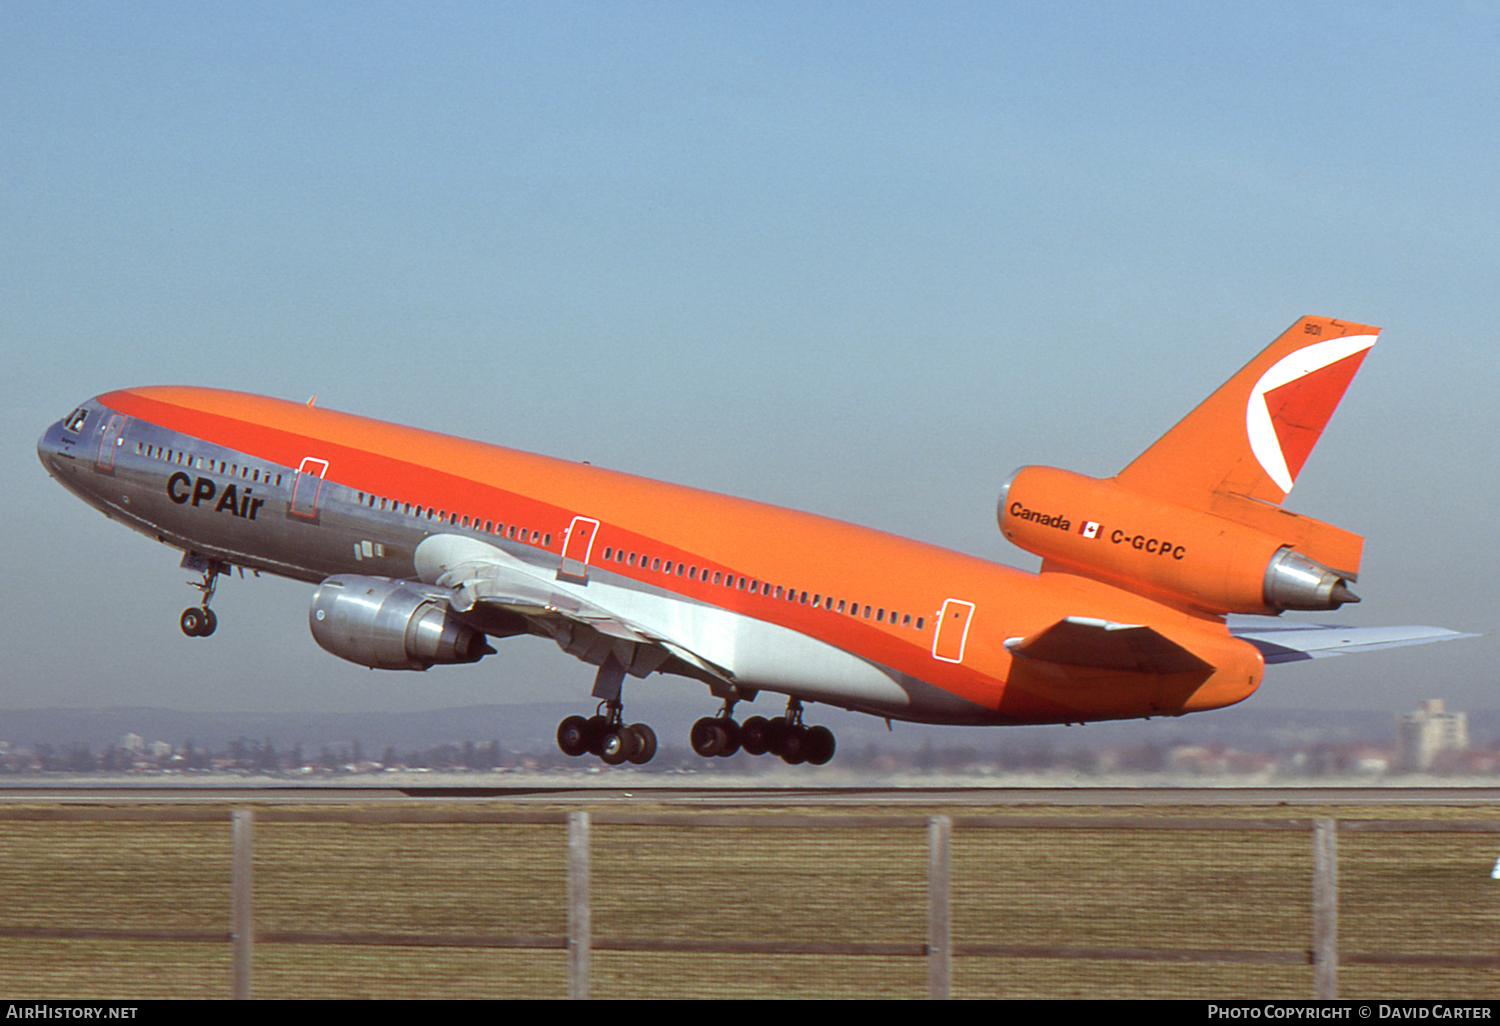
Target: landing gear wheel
x,y
210,621
192,622
794,746
599,726
573,736
647,747
755,735
732,732
820,745
619,745
776,731
708,737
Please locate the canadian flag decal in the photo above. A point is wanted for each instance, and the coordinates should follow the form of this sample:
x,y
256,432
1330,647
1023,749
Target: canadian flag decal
x,y
1089,529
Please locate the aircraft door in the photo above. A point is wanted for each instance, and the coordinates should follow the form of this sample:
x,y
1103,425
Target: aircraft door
x,y
577,544
109,439
307,485
952,630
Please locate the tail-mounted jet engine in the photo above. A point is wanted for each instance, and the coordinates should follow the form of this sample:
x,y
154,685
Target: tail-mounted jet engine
x,y
1237,556
390,625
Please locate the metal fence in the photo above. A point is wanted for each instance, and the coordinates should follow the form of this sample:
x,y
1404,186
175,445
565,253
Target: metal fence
x,y
462,900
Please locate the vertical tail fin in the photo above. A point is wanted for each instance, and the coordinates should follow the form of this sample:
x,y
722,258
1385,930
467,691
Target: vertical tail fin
x,y
1251,437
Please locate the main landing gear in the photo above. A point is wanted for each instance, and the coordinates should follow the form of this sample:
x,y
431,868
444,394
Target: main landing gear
x,y
200,621
785,736
606,735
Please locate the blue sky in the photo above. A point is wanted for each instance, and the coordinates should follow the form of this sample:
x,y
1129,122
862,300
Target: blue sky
x,y
862,259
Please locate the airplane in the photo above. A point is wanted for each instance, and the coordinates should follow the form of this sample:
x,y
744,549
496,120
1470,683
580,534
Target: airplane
x,y
424,547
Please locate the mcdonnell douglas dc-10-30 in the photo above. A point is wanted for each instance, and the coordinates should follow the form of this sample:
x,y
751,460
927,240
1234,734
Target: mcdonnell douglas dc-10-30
x,y
424,546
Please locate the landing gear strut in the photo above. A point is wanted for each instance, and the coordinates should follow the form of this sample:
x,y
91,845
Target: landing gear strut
x,y
200,621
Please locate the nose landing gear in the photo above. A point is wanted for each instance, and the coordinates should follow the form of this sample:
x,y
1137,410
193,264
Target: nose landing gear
x,y
199,622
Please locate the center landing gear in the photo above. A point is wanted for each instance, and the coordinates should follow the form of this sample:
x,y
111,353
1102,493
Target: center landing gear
x,y
200,621
784,736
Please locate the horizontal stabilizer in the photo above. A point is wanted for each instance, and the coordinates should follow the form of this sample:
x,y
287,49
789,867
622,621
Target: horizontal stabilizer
x,y
1289,643
1104,645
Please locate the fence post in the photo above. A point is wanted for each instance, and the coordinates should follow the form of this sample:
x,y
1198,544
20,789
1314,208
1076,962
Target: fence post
x,y
1325,954
579,927
241,906
939,907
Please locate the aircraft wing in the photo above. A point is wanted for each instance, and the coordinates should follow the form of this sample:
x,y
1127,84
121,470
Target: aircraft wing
x,y
1287,643
484,579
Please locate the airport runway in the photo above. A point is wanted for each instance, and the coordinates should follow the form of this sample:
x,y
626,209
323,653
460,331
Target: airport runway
x,y
750,795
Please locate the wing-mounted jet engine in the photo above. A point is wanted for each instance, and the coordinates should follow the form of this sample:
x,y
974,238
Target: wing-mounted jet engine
x,y
390,625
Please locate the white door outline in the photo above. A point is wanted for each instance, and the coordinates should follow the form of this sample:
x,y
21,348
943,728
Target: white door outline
x,y
578,544
302,503
952,630
109,438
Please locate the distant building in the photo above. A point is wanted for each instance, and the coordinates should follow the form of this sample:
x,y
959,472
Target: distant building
x,y
1421,735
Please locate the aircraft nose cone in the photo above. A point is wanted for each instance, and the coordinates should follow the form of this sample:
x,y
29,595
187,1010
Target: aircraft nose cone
x,y
48,445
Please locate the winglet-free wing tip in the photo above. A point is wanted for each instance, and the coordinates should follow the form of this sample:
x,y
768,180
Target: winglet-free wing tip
x,y
1295,642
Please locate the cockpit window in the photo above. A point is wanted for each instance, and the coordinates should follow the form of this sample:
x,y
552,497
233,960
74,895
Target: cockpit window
x,y
75,419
